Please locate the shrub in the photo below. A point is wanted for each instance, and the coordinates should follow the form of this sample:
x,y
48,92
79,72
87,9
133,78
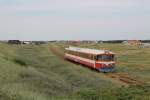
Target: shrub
x,y
20,62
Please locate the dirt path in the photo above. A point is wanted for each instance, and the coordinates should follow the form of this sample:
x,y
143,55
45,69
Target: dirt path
x,y
121,78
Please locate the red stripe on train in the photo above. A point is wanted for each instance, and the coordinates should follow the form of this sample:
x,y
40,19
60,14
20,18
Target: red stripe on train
x,y
97,65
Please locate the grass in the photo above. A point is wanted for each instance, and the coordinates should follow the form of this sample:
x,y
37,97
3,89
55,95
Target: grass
x,y
32,72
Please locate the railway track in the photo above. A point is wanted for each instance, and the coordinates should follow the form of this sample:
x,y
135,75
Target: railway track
x,y
120,77
55,51
125,78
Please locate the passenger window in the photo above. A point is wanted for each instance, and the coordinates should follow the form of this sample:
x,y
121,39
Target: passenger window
x,y
100,57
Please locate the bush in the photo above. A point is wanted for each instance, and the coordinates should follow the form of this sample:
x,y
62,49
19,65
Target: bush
x,y
20,62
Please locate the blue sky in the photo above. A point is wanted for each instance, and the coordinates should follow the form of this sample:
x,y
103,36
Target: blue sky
x,y
74,19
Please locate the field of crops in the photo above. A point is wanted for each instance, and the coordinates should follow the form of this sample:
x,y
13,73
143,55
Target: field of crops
x,y
39,72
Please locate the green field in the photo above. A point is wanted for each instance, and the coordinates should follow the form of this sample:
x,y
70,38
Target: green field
x,y
33,72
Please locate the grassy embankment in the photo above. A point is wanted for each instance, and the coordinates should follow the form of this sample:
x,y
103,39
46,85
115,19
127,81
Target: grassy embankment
x,y
32,72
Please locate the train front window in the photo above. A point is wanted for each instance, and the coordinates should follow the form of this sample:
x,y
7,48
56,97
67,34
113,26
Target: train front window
x,y
105,57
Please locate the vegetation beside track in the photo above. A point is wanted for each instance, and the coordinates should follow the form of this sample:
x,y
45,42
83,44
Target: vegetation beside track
x,y
30,72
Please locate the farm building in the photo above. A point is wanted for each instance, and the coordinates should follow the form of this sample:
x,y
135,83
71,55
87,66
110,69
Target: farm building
x,y
26,42
75,42
132,42
145,45
14,42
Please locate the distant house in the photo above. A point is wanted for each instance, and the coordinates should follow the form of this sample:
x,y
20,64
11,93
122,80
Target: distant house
x,y
145,45
26,42
14,42
132,42
74,42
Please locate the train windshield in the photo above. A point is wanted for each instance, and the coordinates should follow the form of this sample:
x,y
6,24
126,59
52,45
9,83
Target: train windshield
x,y
105,57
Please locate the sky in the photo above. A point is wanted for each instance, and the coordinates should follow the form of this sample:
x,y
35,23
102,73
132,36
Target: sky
x,y
74,19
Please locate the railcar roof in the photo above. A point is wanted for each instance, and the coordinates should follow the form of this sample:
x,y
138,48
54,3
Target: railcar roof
x,y
90,51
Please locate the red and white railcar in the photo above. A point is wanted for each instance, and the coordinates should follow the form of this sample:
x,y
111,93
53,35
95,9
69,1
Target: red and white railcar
x,y
101,60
